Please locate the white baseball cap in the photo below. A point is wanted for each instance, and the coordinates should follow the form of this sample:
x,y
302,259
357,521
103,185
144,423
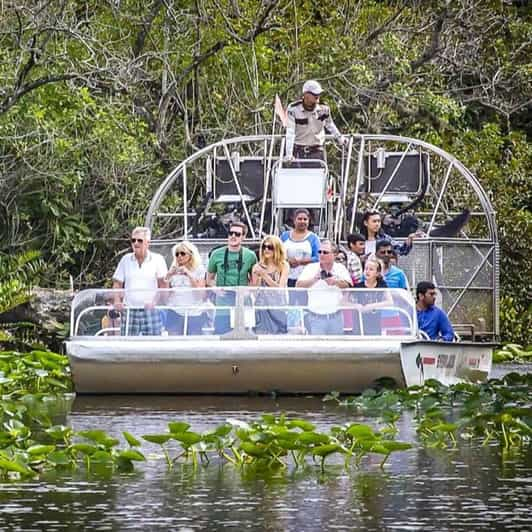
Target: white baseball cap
x,y
313,87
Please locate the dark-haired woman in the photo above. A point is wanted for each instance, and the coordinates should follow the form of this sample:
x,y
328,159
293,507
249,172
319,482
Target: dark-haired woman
x,y
301,246
372,230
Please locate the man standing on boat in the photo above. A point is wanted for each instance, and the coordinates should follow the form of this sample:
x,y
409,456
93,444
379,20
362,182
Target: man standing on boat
x,y
325,279
230,265
307,122
140,273
431,319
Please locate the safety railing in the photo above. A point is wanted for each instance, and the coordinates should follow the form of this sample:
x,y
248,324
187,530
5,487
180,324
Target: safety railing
x,y
243,312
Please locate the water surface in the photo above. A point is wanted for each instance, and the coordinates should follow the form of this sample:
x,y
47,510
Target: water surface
x,y
470,488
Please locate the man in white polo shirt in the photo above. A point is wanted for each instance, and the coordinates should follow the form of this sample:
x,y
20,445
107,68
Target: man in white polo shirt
x,y
141,273
325,279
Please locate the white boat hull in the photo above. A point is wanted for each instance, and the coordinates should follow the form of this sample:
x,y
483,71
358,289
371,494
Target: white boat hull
x,y
291,365
284,365
449,363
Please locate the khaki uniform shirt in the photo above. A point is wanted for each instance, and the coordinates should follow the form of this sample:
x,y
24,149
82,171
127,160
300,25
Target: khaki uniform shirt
x,y
308,128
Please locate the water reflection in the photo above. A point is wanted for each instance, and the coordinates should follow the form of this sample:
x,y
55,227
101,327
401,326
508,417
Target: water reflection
x,y
466,489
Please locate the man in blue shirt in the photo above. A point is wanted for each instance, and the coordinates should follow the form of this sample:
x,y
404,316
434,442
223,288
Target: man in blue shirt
x,y
431,319
393,275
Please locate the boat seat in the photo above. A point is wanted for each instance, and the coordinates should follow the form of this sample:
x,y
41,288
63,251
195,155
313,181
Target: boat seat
x,y
398,176
249,171
300,187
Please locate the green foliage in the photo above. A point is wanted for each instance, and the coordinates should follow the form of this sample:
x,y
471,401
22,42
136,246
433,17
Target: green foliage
x,y
497,410
33,387
17,275
272,441
514,353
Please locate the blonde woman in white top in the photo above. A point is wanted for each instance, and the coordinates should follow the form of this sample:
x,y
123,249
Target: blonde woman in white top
x,y
186,272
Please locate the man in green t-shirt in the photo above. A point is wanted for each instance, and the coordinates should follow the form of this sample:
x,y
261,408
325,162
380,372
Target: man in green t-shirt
x,y
230,266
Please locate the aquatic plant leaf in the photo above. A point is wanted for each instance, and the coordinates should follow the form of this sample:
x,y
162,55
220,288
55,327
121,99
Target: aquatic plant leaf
x,y
445,427
178,426
132,454
85,448
223,430
252,449
38,450
187,438
392,445
101,457
326,450
123,464
131,439
522,426
288,435
59,458
312,438
268,418
6,438
243,434
307,426
14,425
361,432
261,437
10,465
60,360
367,445
379,449
157,438
58,383
59,432
289,445
96,435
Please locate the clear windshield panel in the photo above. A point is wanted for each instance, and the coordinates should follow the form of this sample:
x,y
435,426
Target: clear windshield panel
x,y
191,312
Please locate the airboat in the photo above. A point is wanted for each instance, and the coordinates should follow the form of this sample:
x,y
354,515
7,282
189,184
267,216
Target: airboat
x,y
414,184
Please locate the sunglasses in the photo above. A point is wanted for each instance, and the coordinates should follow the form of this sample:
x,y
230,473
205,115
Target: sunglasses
x,y
181,253
268,246
385,251
235,233
138,240
323,252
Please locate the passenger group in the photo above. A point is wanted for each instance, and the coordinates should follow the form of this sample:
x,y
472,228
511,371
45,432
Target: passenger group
x,y
298,259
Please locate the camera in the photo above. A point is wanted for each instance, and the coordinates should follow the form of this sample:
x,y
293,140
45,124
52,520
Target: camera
x,y
325,275
114,314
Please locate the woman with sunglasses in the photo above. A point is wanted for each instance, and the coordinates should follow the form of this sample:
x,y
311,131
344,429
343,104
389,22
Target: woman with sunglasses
x,y
271,271
186,272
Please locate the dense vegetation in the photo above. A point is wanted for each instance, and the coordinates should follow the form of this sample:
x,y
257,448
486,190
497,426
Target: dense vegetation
x,y
100,99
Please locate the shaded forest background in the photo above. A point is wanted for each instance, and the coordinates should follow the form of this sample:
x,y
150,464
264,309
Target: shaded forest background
x,y
99,100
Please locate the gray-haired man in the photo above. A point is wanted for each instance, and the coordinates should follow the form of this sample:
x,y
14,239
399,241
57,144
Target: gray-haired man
x,y
325,279
141,273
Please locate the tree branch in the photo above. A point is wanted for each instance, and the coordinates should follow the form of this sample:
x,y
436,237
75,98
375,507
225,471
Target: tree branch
x,y
10,101
383,27
146,27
